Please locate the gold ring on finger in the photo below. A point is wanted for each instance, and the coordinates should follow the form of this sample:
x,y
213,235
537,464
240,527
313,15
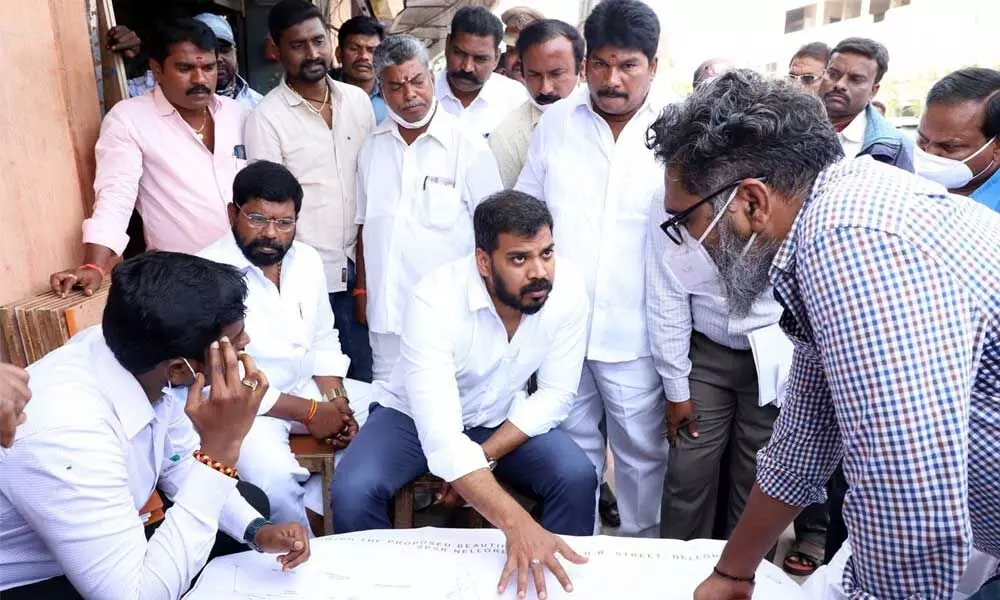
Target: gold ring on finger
x,y
250,383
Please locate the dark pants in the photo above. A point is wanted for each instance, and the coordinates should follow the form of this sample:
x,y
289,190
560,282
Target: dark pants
x,y
61,588
353,336
836,533
989,591
386,455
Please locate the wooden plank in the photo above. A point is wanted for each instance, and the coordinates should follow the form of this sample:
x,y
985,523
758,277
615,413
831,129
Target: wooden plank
x,y
12,337
88,313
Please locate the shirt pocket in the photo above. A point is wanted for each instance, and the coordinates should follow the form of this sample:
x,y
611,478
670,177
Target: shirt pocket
x,y
442,205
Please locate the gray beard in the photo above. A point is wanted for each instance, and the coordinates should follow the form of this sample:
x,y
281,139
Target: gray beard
x,y
745,277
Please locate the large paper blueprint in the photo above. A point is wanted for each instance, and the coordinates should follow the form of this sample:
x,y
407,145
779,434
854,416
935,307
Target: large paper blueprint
x,y
465,564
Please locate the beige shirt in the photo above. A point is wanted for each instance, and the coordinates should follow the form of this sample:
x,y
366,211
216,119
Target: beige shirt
x,y
510,141
284,130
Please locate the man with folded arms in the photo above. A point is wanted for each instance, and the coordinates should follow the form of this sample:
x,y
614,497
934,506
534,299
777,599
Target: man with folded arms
x,y
292,336
107,425
475,331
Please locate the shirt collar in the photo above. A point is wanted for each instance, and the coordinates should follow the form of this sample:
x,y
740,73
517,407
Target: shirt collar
x,y
581,98
164,108
478,295
292,98
855,130
120,388
439,128
784,260
231,253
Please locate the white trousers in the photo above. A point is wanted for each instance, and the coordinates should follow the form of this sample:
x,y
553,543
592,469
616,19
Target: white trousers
x,y
630,396
266,458
385,354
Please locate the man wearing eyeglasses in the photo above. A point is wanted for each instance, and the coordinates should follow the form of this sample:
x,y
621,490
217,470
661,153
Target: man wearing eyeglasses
x,y
808,65
703,354
292,338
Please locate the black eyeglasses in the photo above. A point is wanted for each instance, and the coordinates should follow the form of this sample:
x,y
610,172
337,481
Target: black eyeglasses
x,y
672,226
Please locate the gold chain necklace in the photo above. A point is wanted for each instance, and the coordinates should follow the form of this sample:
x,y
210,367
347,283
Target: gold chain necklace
x,y
200,132
308,103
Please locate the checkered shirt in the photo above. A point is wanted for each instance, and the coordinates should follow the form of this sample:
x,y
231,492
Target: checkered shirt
x,y
891,290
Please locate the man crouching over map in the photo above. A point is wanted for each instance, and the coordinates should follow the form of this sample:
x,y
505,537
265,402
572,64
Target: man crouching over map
x,y
474,332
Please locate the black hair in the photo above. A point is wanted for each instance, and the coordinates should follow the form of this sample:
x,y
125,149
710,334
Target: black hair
x,y
268,181
165,305
625,24
741,125
478,21
868,48
289,13
508,211
539,32
359,26
814,50
972,84
170,32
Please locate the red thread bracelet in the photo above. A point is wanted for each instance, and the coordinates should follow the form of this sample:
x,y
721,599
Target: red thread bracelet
x,y
94,267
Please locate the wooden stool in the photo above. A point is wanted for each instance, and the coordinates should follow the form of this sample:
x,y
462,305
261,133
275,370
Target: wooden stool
x,y
317,458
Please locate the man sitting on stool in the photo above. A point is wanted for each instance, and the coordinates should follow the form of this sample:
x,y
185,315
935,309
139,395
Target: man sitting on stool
x,y
474,332
292,337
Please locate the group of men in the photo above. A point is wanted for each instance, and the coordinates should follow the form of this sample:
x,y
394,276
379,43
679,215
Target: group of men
x,y
382,242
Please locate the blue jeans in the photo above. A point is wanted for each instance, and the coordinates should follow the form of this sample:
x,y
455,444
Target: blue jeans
x,y
386,455
990,591
353,335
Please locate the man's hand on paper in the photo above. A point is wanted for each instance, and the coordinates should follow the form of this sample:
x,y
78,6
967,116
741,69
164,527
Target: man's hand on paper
x,y
14,395
532,549
720,588
680,415
290,540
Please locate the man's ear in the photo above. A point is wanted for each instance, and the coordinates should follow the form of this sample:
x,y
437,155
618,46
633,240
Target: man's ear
x,y
483,262
234,213
178,373
155,67
758,202
875,89
339,55
652,66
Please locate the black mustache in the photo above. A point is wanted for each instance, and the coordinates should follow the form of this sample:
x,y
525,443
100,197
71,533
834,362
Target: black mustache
x,y
547,98
308,63
470,77
606,93
198,89
538,285
363,63
265,243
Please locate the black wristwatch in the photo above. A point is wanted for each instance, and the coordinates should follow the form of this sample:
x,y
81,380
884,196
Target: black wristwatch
x,y
250,536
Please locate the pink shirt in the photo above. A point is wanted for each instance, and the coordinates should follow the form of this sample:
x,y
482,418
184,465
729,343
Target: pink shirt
x,y
148,158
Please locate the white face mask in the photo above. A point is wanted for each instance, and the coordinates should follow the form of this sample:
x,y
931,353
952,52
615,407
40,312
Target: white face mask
x,y
692,265
415,125
952,174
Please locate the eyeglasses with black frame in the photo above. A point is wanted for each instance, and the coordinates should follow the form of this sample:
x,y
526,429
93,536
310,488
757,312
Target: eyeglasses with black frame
x,y
256,221
672,226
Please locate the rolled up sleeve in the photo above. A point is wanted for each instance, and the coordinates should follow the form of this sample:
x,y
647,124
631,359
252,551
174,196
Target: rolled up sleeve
x,y
432,391
116,184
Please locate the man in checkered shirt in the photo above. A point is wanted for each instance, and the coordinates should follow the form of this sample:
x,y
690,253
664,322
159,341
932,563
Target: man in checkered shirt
x,y
891,290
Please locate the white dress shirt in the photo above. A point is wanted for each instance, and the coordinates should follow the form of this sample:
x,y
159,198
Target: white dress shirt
x,y
292,333
599,191
498,97
416,204
852,138
284,130
457,369
84,463
673,312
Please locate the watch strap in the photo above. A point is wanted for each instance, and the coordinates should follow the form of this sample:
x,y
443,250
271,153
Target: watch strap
x,y
250,535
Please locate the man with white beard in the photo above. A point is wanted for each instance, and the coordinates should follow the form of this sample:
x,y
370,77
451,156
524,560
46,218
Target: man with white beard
x,y
420,177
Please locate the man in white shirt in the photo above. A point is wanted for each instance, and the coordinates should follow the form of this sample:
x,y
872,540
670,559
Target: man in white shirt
x,y
420,176
551,59
316,126
589,162
107,425
292,337
716,422
467,87
475,331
